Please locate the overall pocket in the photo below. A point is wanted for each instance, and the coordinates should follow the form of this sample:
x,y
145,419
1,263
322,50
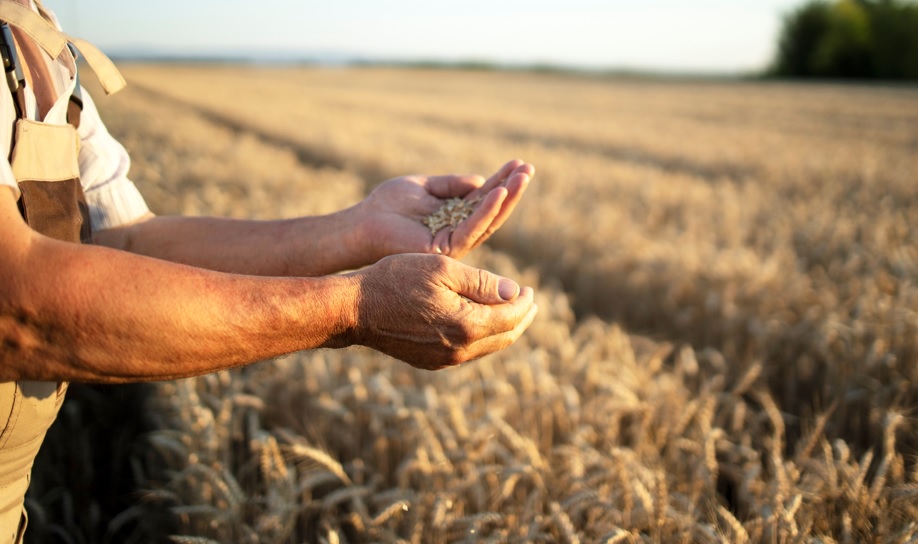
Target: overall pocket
x,y
52,200
55,209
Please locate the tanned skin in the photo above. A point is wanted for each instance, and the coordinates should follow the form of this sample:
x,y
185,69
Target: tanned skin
x,y
172,297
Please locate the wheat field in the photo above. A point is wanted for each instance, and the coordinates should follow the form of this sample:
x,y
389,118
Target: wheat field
x,y
727,348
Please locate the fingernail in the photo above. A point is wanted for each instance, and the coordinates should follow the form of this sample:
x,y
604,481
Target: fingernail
x,y
507,289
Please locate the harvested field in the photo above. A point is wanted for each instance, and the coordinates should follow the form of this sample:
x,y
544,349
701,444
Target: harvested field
x,y
727,347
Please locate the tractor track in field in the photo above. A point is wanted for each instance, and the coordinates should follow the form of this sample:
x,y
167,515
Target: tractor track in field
x,y
327,157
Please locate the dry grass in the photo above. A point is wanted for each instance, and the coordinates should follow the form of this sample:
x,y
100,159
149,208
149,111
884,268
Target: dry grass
x,y
727,345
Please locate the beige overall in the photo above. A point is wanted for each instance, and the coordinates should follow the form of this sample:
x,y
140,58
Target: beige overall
x,y
45,162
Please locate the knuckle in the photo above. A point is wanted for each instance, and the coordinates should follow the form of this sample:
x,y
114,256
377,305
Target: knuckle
x,y
444,358
454,358
468,335
483,279
463,336
439,262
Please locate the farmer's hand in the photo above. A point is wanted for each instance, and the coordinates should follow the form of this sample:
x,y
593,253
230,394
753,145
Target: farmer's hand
x,y
411,307
392,214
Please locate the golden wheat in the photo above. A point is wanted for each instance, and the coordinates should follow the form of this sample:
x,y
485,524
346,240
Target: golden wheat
x,y
727,348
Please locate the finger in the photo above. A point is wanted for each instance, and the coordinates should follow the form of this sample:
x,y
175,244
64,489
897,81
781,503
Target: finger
x,y
465,236
524,168
504,172
500,318
494,181
502,340
516,186
497,327
488,320
480,286
453,185
440,243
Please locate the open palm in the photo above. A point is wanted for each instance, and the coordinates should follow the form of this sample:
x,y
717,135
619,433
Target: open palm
x,y
395,210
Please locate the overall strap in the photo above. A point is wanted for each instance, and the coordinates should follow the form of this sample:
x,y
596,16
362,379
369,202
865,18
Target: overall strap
x,y
53,41
75,106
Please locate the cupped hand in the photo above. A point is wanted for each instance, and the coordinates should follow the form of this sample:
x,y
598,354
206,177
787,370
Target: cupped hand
x,y
393,213
434,312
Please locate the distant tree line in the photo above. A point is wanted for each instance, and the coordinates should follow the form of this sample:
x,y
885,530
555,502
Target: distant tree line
x,y
863,39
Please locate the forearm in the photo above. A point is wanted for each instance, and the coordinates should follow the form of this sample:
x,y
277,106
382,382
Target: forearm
x,y
94,314
307,246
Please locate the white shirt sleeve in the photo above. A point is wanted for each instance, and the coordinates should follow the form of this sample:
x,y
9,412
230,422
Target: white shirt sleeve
x,y
113,199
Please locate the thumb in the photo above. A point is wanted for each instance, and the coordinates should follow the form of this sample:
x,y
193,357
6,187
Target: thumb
x,y
484,287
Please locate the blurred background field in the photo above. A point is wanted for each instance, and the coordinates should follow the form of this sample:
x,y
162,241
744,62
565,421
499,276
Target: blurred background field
x,y
726,348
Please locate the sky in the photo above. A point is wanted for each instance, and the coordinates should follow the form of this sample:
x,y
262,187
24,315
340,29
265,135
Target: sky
x,y
704,36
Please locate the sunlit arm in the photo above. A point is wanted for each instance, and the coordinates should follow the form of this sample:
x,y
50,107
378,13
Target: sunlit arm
x,y
307,246
387,222
87,313
84,313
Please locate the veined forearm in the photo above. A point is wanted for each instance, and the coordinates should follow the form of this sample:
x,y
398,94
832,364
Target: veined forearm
x,y
307,246
83,313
